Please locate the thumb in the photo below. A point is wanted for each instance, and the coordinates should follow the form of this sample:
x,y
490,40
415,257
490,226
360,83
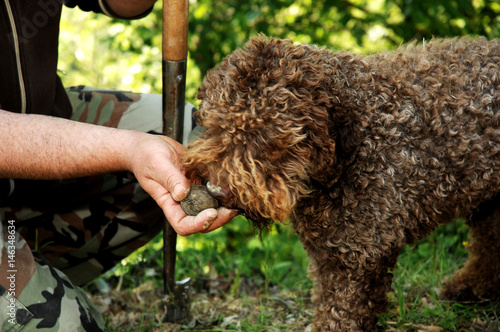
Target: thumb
x,y
180,191
175,182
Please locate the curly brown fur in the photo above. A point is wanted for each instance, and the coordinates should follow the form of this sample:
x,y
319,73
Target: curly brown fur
x,y
364,154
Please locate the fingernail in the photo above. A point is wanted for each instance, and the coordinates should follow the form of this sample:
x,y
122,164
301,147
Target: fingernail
x,y
179,192
211,218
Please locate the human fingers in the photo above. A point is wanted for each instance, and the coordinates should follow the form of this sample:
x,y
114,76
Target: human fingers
x,y
206,221
185,225
224,216
156,164
169,171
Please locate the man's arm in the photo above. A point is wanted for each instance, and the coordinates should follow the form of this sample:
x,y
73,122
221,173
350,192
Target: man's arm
x,y
125,9
42,147
130,8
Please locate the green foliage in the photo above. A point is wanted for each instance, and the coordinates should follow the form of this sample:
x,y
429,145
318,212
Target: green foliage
x,y
98,51
419,276
276,258
234,251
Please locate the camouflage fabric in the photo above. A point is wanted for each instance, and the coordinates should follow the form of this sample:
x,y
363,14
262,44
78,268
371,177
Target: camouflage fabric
x,y
37,296
123,110
77,228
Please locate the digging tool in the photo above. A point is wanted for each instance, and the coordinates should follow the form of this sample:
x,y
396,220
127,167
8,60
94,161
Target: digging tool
x,y
174,59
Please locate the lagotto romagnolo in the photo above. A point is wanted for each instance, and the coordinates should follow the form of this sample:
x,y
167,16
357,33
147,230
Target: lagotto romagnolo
x,y
363,154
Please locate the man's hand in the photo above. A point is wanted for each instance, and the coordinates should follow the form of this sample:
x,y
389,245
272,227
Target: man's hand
x,y
156,165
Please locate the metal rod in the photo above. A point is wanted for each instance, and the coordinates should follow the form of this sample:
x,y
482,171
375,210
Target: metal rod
x,y
174,55
174,85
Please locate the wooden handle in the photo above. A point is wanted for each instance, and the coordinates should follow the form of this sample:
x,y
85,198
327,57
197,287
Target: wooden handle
x,y
175,29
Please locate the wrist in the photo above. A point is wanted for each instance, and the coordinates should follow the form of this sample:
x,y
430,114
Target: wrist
x,y
127,148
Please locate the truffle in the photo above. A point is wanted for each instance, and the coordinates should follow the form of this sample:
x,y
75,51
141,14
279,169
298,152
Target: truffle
x,y
198,199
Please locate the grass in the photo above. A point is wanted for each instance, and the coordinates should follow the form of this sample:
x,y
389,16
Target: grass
x,y
420,273
245,283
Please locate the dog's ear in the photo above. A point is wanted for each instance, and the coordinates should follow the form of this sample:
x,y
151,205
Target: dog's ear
x,y
338,147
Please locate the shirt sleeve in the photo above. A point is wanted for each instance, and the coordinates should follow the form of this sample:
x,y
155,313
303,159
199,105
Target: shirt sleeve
x,y
101,6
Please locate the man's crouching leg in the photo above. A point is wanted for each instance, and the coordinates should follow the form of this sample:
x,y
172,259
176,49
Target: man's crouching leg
x,y
35,296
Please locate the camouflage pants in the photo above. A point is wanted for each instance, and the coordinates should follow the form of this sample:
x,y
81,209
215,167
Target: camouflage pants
x,y
58,235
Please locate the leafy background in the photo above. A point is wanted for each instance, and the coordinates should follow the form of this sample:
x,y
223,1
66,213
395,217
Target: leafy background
x,y
99,51
243,282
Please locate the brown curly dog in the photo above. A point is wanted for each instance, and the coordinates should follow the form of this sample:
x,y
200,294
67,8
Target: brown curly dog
x,y
363,154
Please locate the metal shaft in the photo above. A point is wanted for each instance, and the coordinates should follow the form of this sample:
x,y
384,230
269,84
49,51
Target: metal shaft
x,y
174,55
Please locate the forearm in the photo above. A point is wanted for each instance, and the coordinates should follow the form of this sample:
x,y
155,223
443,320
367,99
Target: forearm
x,y
41,147
130,8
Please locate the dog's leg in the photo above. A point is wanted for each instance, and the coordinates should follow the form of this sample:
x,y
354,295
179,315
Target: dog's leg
x,y
348,298
351,272
480,277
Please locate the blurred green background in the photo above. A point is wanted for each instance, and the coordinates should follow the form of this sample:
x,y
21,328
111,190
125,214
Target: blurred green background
x,y
98,51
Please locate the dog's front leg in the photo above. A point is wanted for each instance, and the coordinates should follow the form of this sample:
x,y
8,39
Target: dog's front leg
x,y
351,273
350,286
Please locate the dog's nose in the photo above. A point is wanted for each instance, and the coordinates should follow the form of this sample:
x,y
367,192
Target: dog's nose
x,y
217,191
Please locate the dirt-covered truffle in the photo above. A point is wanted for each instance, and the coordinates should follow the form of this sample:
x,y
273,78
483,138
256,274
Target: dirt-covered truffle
x,y
198,199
